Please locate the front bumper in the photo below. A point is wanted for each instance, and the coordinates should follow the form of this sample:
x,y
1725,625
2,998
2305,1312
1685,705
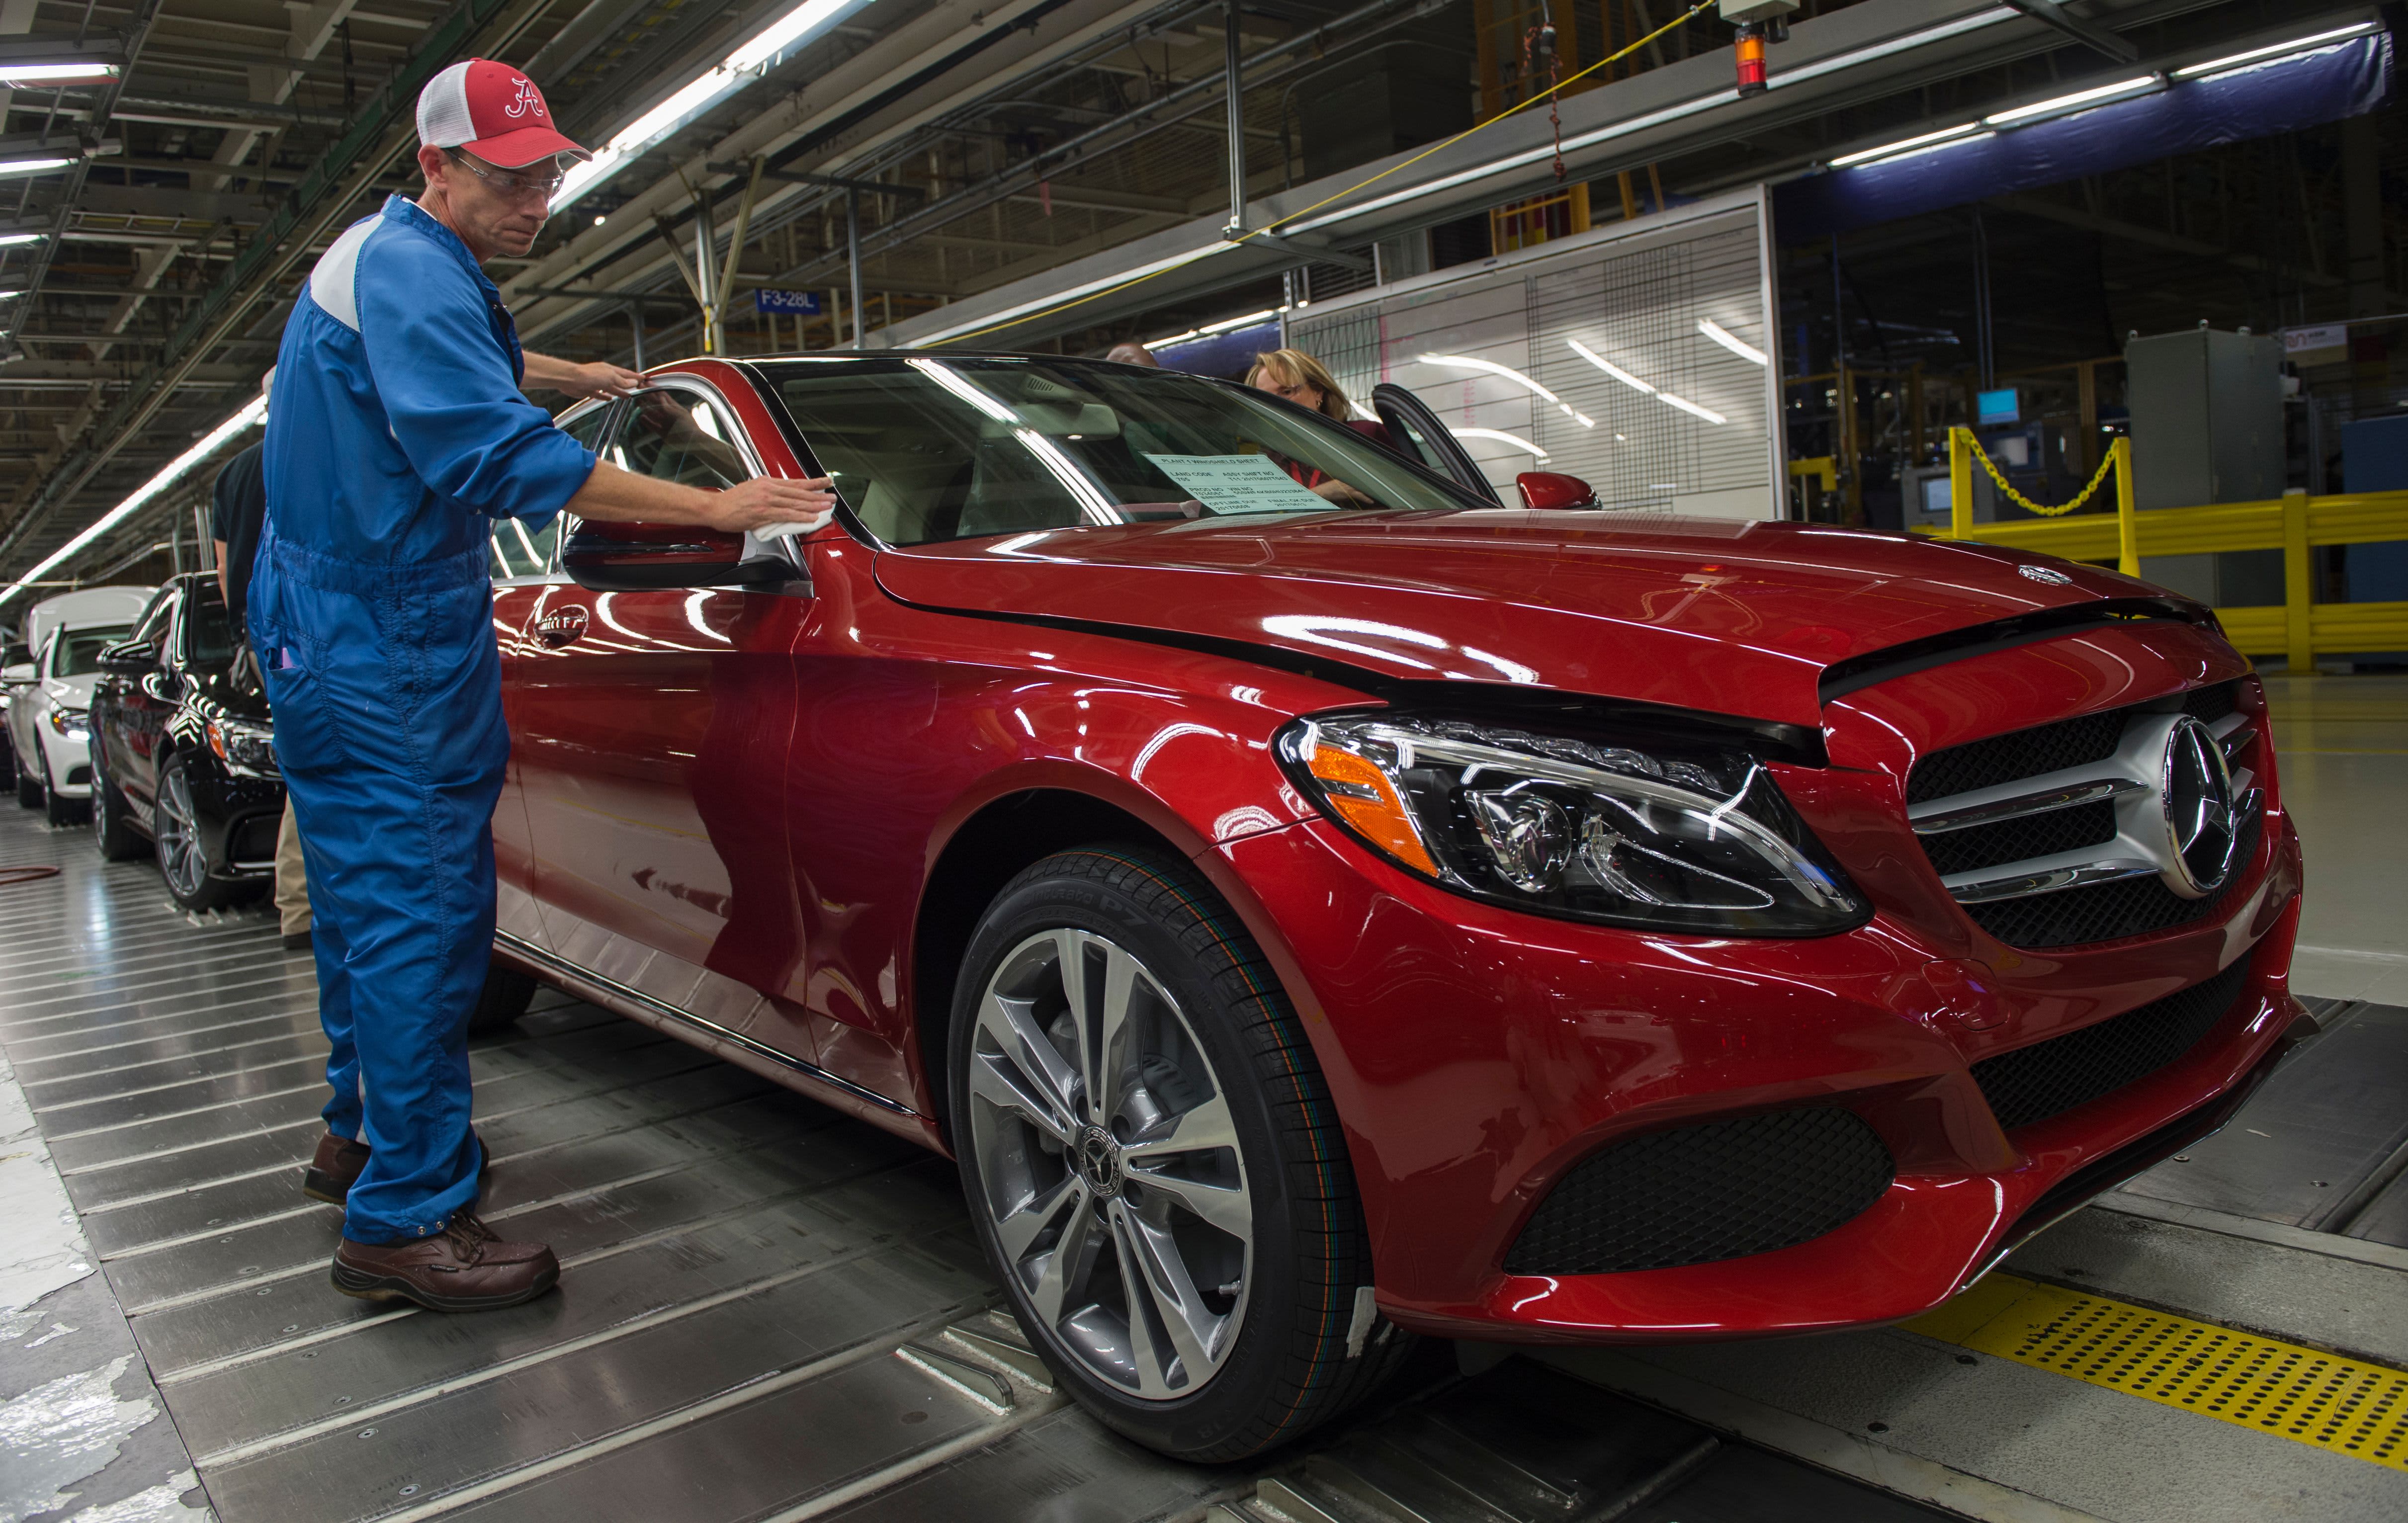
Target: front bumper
x,y
238,817
69,758
1477,1055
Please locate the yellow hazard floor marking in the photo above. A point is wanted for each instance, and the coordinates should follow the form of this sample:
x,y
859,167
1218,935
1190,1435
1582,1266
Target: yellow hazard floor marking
x,y
2310,1397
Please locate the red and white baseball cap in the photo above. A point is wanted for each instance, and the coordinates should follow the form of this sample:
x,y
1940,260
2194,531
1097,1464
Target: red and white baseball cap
x,y
492,110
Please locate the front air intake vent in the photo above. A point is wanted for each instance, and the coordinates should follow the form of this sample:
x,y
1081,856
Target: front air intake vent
x,y
2047,1078
2110,912
1719,1189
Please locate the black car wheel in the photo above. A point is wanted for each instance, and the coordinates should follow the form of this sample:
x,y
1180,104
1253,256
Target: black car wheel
x,y
1154,1163
502,1002
183,861
111,831
29,789
56,807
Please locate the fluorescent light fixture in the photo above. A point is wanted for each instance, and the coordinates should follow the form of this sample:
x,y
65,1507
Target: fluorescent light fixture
x,y
1731,341
1501,436
1904,145
2217,66
2068,103
5,294
1803,72
699,94
10,241
1707,414
47,74
168,475
1611,368
1226,325
9,167
954,381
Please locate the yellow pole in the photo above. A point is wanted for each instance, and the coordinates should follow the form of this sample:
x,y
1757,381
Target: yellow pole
x,y
2128,529
2299,584
1960,484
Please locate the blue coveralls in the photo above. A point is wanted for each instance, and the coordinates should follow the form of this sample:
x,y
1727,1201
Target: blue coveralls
x,y
397,436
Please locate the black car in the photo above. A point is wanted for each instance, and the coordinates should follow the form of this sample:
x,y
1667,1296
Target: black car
x,y
183,750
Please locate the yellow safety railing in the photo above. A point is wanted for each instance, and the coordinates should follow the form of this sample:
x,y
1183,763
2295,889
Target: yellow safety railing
x,y
2298,629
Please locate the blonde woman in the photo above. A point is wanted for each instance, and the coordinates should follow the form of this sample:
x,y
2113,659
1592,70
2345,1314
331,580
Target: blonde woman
x,y
1296,376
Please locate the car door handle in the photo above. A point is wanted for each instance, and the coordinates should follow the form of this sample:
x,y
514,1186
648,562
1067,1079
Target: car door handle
x,y
561,625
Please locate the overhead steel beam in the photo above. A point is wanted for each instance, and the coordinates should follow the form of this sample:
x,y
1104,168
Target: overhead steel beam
x,y
2090,34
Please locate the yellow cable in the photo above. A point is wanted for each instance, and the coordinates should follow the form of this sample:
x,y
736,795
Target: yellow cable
x,y
2025,503
1367,183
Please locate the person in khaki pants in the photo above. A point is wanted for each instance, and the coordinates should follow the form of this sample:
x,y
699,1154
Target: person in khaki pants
x,y
237,507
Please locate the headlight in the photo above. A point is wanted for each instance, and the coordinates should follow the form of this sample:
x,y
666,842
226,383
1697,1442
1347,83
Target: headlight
x,y
246,748
1700,841
69,723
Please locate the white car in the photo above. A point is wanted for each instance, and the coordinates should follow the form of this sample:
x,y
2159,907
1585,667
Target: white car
x,y
49,694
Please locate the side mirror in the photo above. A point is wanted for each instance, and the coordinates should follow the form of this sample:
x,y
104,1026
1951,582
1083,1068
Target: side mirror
x,y
127,658
653,557
17,675
1548,489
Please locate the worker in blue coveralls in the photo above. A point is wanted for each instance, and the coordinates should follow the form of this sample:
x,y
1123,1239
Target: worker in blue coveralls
x,y
399,434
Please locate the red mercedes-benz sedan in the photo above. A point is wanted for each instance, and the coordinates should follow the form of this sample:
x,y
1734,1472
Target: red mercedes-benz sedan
x,y
1318,903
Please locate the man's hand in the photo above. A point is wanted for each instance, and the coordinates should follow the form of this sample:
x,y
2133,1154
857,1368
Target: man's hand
x,y
769,507
546,373
597,379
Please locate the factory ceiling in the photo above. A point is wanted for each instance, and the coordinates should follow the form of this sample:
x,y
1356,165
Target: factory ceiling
x,y
999,139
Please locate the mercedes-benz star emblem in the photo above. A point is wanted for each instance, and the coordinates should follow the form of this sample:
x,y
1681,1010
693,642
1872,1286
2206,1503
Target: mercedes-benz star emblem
x,y
1099,1160
2049,574
2196,791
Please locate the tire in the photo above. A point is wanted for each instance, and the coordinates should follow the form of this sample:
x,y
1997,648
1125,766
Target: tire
x,y
29,790
502,1002
111,831
56,807
176,839
1205,1033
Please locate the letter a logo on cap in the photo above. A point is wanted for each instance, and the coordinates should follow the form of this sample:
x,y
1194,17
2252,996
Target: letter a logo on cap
x,y
529,102
492,110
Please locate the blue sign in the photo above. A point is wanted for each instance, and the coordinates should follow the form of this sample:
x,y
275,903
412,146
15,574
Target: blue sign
x,y
1999,407
800,303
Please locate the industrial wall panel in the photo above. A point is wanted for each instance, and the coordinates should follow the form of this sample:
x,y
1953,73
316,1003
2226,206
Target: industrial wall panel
x,y
1635,296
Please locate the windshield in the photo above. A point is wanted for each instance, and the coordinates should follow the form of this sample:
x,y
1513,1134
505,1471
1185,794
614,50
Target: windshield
x,y
927,449
78,649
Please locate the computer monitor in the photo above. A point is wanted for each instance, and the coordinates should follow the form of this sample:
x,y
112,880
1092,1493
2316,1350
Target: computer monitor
x,y
2005,406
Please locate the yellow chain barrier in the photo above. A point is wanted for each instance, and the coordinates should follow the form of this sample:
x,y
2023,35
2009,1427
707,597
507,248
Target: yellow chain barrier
x,y
2097,478
1273,226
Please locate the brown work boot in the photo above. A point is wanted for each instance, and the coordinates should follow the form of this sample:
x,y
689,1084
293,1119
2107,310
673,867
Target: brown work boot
x,y
464,1267
331,1174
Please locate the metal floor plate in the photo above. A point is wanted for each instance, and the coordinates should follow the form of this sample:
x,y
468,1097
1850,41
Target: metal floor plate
x,y
768,1311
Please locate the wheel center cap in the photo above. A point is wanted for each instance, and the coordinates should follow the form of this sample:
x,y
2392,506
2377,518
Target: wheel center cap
x,y
1099,1162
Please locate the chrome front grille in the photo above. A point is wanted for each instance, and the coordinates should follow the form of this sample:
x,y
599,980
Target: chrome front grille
x,y
2063,834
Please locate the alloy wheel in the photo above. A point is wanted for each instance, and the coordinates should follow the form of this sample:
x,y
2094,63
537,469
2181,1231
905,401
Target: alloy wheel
x,y
180,860
1112,1169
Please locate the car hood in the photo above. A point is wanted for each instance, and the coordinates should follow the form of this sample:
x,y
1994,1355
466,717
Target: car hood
x,y
70,692
1741,618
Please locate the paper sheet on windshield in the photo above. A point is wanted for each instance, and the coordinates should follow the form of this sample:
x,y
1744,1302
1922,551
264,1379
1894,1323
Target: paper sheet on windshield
x,y
1239,483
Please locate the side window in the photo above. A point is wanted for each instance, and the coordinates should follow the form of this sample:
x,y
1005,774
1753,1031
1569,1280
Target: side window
x,y
152,629
679,436
517,550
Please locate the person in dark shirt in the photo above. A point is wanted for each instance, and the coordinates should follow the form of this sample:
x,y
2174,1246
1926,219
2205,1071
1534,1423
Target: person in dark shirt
x,y
237,507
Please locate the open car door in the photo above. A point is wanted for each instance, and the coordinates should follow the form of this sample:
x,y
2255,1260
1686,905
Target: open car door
x,y
1423,438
